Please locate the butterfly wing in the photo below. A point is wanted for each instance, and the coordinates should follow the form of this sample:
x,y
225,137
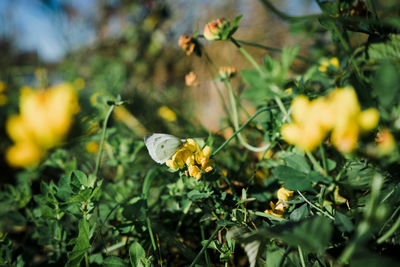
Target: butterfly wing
x,y
161,146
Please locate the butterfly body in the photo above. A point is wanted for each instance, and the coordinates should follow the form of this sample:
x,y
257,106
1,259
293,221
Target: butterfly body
x,y
161,146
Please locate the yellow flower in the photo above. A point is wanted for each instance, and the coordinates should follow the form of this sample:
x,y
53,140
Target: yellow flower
x,y
276,209
187,43
167,114
193,157
92,147
191,79
203,159
24,154
214,29
325,64
44,121
194,171
339,113
284,194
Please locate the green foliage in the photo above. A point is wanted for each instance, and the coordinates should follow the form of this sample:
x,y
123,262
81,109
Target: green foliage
x,y
116,207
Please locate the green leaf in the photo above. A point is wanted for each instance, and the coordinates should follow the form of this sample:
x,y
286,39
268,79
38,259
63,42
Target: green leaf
x,y
196,195
64,189
136,211
288,55
388,51
259,90
136,254
81,244
82,178
114,262
293,179
298,162
312,234
386,84
343,222
299,213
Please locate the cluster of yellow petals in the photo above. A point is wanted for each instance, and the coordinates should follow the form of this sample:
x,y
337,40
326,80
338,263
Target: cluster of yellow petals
x,y
197,160
325,64
278,209
338,114
43,122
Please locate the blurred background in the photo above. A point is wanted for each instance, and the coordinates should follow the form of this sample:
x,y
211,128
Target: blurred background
x,y
131,47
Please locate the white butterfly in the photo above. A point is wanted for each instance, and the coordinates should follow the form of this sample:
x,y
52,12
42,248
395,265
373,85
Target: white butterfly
x,y
161,147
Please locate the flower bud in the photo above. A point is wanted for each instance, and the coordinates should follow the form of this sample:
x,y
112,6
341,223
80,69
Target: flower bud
x,y
214,29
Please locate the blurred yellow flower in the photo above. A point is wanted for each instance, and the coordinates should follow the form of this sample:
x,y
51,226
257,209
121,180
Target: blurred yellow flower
x,y
325,64
24,153
167,114
191,79
190,155
92,147
338,114
44,121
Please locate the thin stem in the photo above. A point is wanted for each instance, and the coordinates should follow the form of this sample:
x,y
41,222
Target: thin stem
x,y
103,135
247,55
272,49
205,246
371,6
205,251
282,260
303,264
324,163
261,110
236,121
289,18
151,233
315,207
315,163
390,232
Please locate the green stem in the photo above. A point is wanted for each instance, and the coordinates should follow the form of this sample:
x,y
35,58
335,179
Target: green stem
x,y
303,264
341,38
151,234
315,163
205,246
324,163
236,121
371,6
390,232
205,251
103,135
247,56
315,207
272,49
261,110
289,18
